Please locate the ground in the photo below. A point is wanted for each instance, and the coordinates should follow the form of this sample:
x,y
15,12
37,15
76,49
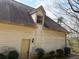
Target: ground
x,y
74,57
70,57
74,44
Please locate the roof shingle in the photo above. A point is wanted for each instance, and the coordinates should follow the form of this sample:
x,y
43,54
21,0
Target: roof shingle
x,y
49,23
14,12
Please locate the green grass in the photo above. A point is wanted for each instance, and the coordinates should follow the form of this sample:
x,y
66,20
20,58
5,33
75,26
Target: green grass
x,y
74,44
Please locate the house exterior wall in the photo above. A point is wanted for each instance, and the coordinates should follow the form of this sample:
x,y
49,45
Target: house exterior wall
x,y
34,17
11,36
49,40
53,40
46,38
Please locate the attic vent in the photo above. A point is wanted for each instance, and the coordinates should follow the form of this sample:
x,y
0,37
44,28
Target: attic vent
x,y
39,19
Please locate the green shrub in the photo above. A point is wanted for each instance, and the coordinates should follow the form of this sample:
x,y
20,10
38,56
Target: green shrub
x,y
51,53
40,52
2,56
67,51
13,55
59,52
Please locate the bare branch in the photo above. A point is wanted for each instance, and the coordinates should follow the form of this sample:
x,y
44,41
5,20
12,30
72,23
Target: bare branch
x,y
69,13
76,2
70,27
72,7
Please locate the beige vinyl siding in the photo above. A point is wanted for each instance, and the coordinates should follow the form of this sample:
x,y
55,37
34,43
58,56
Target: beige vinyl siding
x,y
34,17
11,35
49,40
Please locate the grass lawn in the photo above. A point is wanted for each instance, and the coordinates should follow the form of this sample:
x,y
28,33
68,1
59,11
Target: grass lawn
x,y
74,44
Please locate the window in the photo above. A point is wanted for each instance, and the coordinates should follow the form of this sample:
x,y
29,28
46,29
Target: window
x,y
39,19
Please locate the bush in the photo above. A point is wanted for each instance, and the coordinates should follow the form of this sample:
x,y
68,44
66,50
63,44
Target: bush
x,y
59,52
52,53
2,56
13,55
40,52
67,51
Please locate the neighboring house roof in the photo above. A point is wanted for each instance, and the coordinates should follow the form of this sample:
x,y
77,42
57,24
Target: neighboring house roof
x,y
49,23
15,12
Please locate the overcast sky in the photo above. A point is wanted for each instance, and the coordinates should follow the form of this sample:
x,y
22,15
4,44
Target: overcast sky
x,y
32,3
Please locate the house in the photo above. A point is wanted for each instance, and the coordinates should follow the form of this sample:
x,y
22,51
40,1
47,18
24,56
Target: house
x,y
25,28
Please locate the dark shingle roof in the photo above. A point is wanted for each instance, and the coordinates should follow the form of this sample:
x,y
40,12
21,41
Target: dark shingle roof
x,y
29,8
49,23
18,13
15,12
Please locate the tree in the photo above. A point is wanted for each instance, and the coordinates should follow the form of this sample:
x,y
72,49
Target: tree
x,y
72,11
60,20
74,5
68,12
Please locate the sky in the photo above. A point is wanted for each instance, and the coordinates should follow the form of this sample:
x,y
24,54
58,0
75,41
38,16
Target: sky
x,y
45,3
50,6
32,3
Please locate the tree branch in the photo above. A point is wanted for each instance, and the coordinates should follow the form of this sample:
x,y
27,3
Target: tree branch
x,y
72,7
69,13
